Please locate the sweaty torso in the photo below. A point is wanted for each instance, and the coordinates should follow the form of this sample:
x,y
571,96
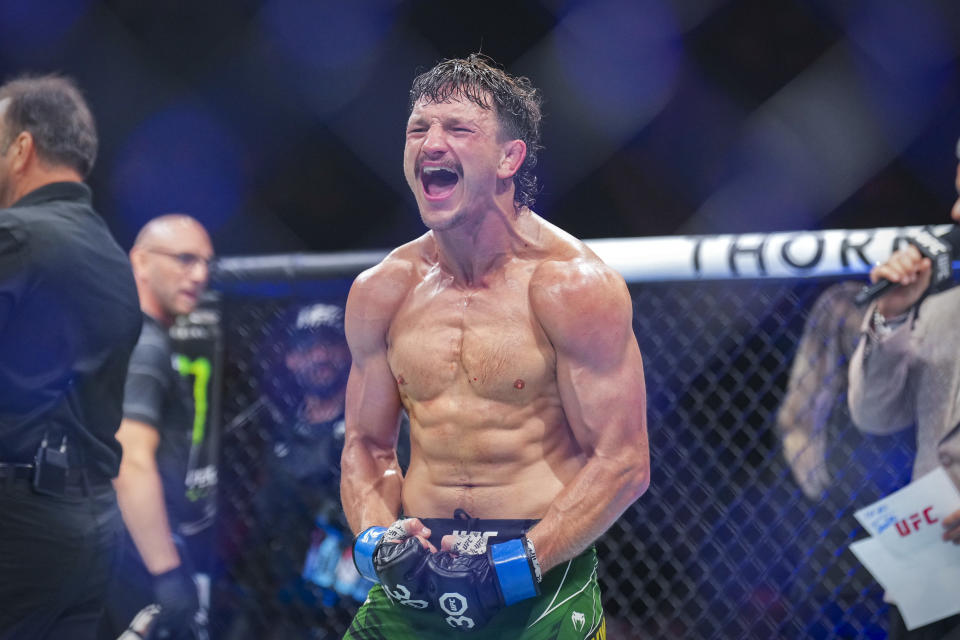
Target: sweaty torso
x,y
477,376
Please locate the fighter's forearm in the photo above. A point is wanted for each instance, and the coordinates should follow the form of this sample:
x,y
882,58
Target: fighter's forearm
x,y
370,485
140,497
587,507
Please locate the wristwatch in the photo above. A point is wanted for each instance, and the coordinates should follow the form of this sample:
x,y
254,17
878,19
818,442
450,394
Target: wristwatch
x,y
882,327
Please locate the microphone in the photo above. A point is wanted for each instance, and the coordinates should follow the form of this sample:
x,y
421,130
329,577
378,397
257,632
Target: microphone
x,y
940,250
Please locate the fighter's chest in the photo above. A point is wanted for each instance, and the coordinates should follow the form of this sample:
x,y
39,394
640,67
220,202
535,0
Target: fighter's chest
x,y
487,341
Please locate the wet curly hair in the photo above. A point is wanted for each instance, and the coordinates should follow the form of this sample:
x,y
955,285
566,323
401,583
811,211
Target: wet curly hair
x,y
516,100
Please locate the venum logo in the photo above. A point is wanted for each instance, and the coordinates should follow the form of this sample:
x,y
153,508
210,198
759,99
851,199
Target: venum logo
x,y
578,620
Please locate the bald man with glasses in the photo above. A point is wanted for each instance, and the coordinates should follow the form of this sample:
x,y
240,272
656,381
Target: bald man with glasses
x,y
171,264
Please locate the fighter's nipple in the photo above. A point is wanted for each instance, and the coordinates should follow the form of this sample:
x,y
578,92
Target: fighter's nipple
x,y
519,384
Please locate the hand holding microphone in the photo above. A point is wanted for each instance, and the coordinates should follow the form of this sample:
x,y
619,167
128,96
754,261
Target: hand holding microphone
x,y
909,269
926,264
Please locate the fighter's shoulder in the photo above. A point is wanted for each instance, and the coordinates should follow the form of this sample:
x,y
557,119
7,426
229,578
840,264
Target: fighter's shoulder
x,y
391,277
570,270
377,293
573,289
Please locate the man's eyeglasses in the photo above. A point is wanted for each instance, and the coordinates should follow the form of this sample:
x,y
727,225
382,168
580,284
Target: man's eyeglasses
x,y
185,260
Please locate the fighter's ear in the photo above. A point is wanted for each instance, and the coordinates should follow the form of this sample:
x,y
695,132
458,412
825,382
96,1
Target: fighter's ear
x,y
514,153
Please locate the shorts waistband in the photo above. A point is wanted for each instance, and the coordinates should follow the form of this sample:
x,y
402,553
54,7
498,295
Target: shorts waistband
x,y
493,530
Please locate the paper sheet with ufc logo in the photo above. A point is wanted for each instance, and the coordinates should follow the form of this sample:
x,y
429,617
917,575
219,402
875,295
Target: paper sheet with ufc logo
x,y
906,552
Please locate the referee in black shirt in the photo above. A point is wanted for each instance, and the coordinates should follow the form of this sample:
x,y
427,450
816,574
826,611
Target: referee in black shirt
x,y
69,319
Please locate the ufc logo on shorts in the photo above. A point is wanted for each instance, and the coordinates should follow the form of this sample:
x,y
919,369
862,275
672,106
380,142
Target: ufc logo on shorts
x,y
455,604
402,595
472,542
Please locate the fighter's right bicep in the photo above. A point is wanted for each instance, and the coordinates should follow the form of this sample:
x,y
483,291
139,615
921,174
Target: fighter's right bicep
x,y
372,404
371,480
373,400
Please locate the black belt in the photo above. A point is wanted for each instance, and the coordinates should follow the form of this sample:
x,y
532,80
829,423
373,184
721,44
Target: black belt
x,y
10,471
79,483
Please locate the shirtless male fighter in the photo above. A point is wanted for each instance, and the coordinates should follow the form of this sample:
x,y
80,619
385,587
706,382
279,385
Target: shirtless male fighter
x,y
510,345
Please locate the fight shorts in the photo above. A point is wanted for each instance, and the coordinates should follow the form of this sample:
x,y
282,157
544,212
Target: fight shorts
x,y
568,608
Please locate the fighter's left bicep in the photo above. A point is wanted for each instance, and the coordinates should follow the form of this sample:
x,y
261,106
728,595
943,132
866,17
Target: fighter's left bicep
x,y
587,314
604,399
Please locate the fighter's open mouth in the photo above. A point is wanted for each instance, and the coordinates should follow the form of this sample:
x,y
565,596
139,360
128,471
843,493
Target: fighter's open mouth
x,y
438,182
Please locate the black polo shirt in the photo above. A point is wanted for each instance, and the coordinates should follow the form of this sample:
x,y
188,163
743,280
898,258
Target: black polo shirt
x,y
69,319
157,395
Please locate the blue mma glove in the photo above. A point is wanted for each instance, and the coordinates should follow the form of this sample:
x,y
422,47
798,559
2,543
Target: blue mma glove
x,y
398,562
471,589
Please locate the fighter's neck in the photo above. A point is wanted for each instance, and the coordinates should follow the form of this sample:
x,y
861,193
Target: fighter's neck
x,y
472,252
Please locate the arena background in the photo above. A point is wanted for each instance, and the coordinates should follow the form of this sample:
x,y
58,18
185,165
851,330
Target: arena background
x,y
279,125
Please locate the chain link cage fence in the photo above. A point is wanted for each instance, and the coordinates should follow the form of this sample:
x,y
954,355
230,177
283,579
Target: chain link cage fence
x,y
742,534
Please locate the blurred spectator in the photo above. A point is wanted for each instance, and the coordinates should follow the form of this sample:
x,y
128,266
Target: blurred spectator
x,y
818,379
838,469
295,565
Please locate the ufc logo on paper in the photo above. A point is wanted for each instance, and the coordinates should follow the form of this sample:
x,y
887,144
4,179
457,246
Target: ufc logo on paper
x,y
903,526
